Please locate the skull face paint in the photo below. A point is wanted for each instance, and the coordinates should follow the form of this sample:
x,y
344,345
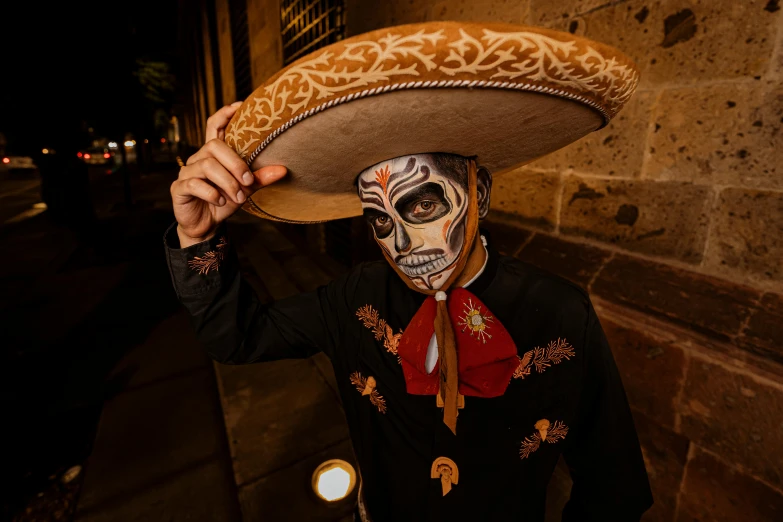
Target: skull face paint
x,y
417,206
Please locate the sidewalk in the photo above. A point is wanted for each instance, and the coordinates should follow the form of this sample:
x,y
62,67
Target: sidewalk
x,y
283,418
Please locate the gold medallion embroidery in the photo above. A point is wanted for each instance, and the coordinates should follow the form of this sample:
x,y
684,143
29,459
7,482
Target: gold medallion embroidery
x,y
446,470
211,260
542,358
476,322
545,432
367,386
369,317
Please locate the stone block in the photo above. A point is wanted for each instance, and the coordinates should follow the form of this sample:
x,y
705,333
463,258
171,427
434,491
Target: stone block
x,y
746,236
673,41
764,335
527,197
509,11
652,371
726,134
151,433
574,261
226,56
287,494
266,46
616,150
705,304
270,407
735,416
362,16
507,239
200,493
717,492
662,219
665,454
174,348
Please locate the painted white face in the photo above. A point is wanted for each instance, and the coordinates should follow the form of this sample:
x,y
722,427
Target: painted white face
x,y
418,214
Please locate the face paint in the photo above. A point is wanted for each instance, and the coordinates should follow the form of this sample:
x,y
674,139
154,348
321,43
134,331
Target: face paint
x,y
418,214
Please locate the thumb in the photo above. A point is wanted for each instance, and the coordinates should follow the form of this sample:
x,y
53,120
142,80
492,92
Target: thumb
x,y
267,175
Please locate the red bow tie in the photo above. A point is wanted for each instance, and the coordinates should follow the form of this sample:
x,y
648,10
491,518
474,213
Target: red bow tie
x,y
487,356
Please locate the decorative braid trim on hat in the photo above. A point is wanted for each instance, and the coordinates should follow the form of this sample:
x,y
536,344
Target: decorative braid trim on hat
x,y
425,85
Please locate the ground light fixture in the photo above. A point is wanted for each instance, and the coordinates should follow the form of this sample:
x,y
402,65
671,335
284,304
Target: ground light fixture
x,y
333,480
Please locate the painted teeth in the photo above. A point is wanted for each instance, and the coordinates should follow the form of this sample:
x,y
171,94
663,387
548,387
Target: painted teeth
x,y
422,265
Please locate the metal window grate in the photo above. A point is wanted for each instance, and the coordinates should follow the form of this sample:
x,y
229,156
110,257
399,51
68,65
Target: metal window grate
x,y
307,25
240,47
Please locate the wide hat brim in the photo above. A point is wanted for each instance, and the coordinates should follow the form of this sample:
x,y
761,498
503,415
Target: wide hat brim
x,y
507,94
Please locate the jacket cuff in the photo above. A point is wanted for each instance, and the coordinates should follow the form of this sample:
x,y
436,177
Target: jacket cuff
x,y
200,267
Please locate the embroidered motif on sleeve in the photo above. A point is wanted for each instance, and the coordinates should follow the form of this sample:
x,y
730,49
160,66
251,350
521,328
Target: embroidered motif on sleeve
x,y
369,317
366,386
211,260
545,432
542,358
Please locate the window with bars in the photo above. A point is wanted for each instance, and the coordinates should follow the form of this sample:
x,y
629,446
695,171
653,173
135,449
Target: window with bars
x,y
240,47
307,25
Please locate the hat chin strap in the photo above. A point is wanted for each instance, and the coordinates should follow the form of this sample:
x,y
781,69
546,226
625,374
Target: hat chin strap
x,y
469,261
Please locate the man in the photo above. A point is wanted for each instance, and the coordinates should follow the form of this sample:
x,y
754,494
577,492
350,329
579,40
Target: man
x,y
464,374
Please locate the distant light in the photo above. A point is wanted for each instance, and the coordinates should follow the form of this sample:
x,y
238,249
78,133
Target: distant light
x,y
133,141
106,155
146,140
40,205
112,144
45,151
87,156
130,143
79,154
71,474
163,140
334,480
6,160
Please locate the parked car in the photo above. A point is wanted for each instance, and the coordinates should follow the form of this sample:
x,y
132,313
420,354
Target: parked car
x,y
96,156
18,165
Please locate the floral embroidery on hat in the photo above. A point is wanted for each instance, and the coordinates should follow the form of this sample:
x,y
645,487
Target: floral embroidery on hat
x,y
545,432
542,358
211,260
370,318
367,386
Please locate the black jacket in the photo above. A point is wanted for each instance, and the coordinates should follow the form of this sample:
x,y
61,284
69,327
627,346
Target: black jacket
x,y
504,462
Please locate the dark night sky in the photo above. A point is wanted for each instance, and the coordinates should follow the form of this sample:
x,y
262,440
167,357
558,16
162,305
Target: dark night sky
x,y
64,62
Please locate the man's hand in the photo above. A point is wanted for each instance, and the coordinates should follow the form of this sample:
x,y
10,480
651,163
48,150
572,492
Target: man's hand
x,y
214,183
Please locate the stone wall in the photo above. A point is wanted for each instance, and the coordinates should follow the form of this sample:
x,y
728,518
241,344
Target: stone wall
x,y
672,218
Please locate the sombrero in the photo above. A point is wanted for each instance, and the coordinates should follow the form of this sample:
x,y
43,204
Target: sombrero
x,y
506,93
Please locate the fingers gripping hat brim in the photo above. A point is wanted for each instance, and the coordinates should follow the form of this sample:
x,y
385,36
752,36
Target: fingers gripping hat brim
x,y
507,94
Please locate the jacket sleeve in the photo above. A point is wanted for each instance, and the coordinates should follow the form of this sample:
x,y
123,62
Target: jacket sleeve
x,y
610,481
230,320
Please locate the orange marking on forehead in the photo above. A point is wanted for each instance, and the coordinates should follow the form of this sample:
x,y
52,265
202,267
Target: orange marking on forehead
x,y
445,228
382,177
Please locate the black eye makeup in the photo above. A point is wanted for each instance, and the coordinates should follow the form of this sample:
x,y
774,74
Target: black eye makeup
x,y
423,204
380,222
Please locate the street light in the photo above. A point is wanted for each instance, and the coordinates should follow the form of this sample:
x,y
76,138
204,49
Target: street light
x,y
334,480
